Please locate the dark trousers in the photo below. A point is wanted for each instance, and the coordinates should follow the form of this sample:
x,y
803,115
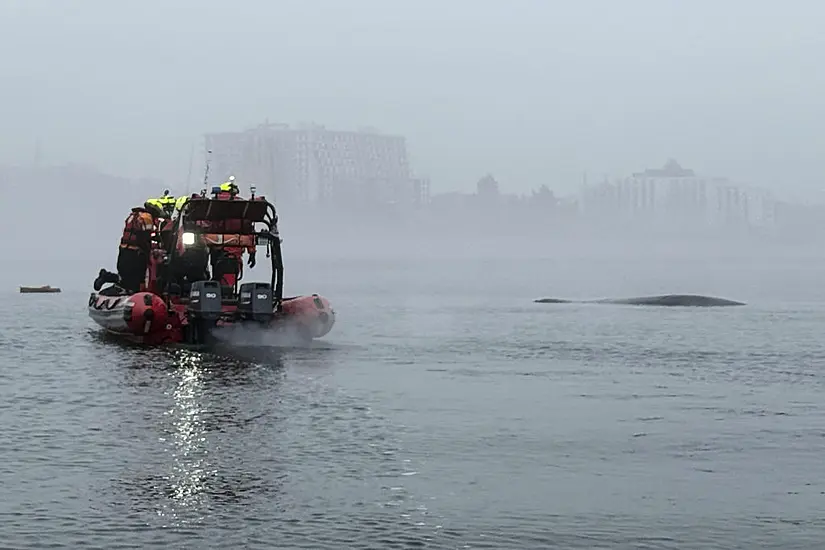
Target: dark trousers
x,y
224,264
131,267
191,267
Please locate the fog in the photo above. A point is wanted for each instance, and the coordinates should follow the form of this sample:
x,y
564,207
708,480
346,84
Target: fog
x,y
103,104
530,90
578,149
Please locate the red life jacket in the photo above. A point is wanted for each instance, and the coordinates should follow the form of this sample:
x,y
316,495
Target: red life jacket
x,y
233,226
137,230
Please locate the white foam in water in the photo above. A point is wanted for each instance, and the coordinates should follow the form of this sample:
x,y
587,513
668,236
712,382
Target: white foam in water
x,y
253,335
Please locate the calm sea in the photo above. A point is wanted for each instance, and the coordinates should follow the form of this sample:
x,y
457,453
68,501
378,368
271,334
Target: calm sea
x,y
445,410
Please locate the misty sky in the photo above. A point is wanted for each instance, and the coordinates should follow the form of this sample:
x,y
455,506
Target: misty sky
x,y
534,91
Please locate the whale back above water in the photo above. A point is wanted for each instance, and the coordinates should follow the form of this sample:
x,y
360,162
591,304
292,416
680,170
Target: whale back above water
x,y
666,300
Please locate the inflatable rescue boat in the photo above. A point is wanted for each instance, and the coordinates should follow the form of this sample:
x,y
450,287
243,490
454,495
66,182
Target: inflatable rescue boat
x,y
171,309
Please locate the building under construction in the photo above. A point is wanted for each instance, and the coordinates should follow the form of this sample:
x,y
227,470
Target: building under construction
x,y
310,164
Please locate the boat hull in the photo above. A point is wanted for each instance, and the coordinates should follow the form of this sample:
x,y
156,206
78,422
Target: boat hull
x,y
313,314
38,290
145,318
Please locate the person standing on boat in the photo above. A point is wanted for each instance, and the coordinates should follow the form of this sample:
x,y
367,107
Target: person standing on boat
x,y
228,189
190,263
191,260
136,245
134,250
166,202
227,261
180,201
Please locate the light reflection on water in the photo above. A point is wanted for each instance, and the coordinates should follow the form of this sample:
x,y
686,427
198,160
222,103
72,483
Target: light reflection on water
x,y
187,444
210,436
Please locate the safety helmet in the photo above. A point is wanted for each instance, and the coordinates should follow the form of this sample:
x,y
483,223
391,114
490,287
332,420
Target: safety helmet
x,y
229,186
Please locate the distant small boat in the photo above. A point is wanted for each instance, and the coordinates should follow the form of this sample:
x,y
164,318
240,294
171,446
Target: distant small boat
x,y
38,289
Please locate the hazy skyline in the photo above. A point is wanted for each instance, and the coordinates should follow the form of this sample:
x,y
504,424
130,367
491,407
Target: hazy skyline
x,y
533,91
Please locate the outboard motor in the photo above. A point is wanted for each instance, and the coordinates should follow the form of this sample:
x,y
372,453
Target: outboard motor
x,y
255,303
203,310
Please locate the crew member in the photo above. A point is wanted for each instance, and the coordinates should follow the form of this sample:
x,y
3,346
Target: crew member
x,y
166,206
179,202
185,263
135,248
228,189
190,263
227,261
167,203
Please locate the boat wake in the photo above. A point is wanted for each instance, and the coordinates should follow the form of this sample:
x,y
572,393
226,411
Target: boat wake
x,y
253,336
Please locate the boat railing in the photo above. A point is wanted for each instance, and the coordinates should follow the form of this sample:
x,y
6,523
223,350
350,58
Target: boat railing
x,y
197,214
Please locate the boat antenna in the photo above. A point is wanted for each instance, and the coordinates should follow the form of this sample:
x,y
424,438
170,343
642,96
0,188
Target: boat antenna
x,y
189,173
206,171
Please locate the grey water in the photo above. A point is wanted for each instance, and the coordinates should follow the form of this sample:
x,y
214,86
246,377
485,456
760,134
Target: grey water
x,y
445,410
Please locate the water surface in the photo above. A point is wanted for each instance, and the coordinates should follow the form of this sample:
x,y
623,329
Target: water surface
x,y
444,411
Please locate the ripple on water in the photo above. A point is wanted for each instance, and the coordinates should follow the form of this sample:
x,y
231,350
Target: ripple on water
x,y
492,428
